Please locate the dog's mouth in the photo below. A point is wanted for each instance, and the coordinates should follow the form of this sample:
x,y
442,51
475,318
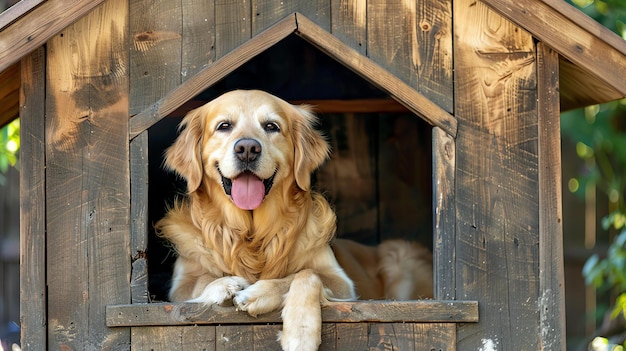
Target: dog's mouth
x,y
247,190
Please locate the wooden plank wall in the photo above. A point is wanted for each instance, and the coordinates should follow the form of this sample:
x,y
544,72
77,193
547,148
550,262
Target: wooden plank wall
x,y
497,213
33,299
164,53
87,179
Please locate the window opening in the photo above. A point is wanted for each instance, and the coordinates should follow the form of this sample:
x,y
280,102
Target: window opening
x,y
379,177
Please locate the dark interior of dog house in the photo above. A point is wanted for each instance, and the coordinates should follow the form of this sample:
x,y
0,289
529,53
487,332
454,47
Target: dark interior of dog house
x,y
379,177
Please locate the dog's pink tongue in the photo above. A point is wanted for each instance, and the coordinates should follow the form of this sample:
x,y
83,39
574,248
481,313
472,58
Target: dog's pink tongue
x,y
248,191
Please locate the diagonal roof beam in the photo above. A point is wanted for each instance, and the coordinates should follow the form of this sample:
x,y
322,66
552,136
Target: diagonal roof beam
x,y
572,34
44,20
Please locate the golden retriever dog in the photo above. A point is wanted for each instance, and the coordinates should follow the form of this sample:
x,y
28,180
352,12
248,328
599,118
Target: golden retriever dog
x,y
394,270
251,230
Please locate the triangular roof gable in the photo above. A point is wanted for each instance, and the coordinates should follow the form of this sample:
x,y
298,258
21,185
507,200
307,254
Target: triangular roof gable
x,y
296,24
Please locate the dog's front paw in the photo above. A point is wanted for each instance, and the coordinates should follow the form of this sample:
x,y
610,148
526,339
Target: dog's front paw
x,y
221,290
303,335
261,297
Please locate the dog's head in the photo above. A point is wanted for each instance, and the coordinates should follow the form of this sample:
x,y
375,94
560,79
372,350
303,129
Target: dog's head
x,y
247,141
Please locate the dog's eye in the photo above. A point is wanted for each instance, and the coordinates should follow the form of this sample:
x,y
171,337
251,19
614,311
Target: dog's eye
x,y
272,127
224,126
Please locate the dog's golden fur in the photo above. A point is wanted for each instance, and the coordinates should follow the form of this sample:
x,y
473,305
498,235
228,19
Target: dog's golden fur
x,y
269,248
394,270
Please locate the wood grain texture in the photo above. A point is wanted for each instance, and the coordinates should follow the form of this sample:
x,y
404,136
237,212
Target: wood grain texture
x,y
198,37
359,311
375,74
26,33
439,337
261,337
87,179
33,318
573,34
233,22
551,270
497,200
155,53
444,255
267,12
391,336
434,38
352,336
139,218
413,41
210,75
349,23
189,338
19,9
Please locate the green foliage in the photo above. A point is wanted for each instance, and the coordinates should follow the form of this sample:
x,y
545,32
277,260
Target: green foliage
x,y
610,13
9,147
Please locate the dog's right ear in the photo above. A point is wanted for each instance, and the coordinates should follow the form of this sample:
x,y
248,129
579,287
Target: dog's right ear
x,y
184,155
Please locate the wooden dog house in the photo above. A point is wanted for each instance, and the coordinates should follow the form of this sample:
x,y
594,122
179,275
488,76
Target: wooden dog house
x,y
491,77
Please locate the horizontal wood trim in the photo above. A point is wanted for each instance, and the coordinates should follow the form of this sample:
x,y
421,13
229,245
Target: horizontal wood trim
x,y
430,311
354,106
377,75
211,75
44,20
572,34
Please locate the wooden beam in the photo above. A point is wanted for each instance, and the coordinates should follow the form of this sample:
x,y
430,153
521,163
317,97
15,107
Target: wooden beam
x,y
551,270
370,71
211,75
46,20
572,34
20,9
334,312
33,299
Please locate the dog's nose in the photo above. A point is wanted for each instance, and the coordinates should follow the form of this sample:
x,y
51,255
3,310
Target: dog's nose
x,y
247,150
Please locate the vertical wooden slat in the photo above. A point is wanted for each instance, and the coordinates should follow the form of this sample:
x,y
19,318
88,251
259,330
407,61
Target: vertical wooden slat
x,y
497,199
197,338
155,51
233,25
551,270
435,336
391,336
234,337
392,37
87,179
139,217
329,337
352,336
265,336
444,255
267,12
198,36
32,203
349,23
434,41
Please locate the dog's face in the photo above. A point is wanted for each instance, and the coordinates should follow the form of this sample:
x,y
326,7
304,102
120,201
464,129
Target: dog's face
x,y
247,142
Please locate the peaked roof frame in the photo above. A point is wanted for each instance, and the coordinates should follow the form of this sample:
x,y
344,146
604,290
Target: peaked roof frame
x,y
300,25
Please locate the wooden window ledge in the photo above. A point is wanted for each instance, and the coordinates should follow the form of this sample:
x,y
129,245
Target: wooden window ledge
x,y
426,311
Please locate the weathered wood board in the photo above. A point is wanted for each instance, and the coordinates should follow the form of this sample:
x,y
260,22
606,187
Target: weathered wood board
x,y
497,198
335,336
87,179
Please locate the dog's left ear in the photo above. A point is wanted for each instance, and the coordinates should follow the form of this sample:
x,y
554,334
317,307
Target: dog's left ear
x,y
183,156
311,148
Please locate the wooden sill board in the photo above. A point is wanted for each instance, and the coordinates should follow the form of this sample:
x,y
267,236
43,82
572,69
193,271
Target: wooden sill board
x,y
427,311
